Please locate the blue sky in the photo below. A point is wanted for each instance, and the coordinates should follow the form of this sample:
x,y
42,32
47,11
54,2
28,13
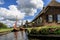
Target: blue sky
x,y
13,2
10,7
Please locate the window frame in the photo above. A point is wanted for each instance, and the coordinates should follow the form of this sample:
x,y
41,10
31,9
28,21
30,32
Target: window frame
x,y
50,18
58,18
40,20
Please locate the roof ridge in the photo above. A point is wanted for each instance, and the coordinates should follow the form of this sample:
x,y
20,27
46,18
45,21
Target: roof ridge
x,y
53,0
54,3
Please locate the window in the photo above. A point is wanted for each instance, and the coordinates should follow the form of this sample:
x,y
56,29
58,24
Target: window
x,y
40,19
37,21
58,18
50,18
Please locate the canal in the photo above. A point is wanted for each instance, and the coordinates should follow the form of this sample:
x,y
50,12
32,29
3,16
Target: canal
x,y
21,35
14,36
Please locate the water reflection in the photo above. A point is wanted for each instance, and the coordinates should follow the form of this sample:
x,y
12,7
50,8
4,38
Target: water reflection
x,y
14,36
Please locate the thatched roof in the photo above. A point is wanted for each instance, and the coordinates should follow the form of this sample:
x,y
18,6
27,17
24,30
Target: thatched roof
x,y
52,3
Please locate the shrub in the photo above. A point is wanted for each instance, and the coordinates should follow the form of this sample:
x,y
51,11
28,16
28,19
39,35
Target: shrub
x,y
34,31
2,25
43,31
57,31
46,31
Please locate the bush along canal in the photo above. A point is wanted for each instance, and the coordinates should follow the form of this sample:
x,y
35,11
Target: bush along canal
x,y
46,33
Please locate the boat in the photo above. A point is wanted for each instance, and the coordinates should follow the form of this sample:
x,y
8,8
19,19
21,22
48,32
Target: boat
x,y
15,27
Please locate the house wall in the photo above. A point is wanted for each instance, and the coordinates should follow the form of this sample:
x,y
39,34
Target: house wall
x,y
51,11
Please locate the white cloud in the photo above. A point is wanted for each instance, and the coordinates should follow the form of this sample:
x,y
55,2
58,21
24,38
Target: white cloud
x,y
1,18
29,20
8,16
29,6
1,1
10,23
11,13
24,8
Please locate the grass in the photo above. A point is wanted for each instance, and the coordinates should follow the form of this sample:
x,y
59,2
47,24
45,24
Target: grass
x,y
6,29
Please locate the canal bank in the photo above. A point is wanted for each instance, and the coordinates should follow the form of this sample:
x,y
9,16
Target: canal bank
x,y
5,31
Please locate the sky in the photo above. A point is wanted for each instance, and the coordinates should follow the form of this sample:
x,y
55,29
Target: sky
x,y
22,9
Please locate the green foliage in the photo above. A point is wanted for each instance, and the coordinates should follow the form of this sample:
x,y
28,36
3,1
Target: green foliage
x,y
2,25
33,31
46,31
57,31
6,29
43,31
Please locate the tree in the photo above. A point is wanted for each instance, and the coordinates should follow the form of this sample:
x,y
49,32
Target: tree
x,y
3,25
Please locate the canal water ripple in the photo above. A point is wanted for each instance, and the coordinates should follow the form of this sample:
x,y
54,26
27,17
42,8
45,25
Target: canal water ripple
x,y
14,36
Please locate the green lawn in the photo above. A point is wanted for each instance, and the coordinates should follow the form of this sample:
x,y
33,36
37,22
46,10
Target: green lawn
x,y
6,29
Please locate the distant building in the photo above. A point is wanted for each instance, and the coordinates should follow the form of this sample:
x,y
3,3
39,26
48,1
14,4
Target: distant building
x,y
50,15
28,24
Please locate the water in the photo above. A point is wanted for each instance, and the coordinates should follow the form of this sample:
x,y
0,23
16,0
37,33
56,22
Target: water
x,y
14,36
21,35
